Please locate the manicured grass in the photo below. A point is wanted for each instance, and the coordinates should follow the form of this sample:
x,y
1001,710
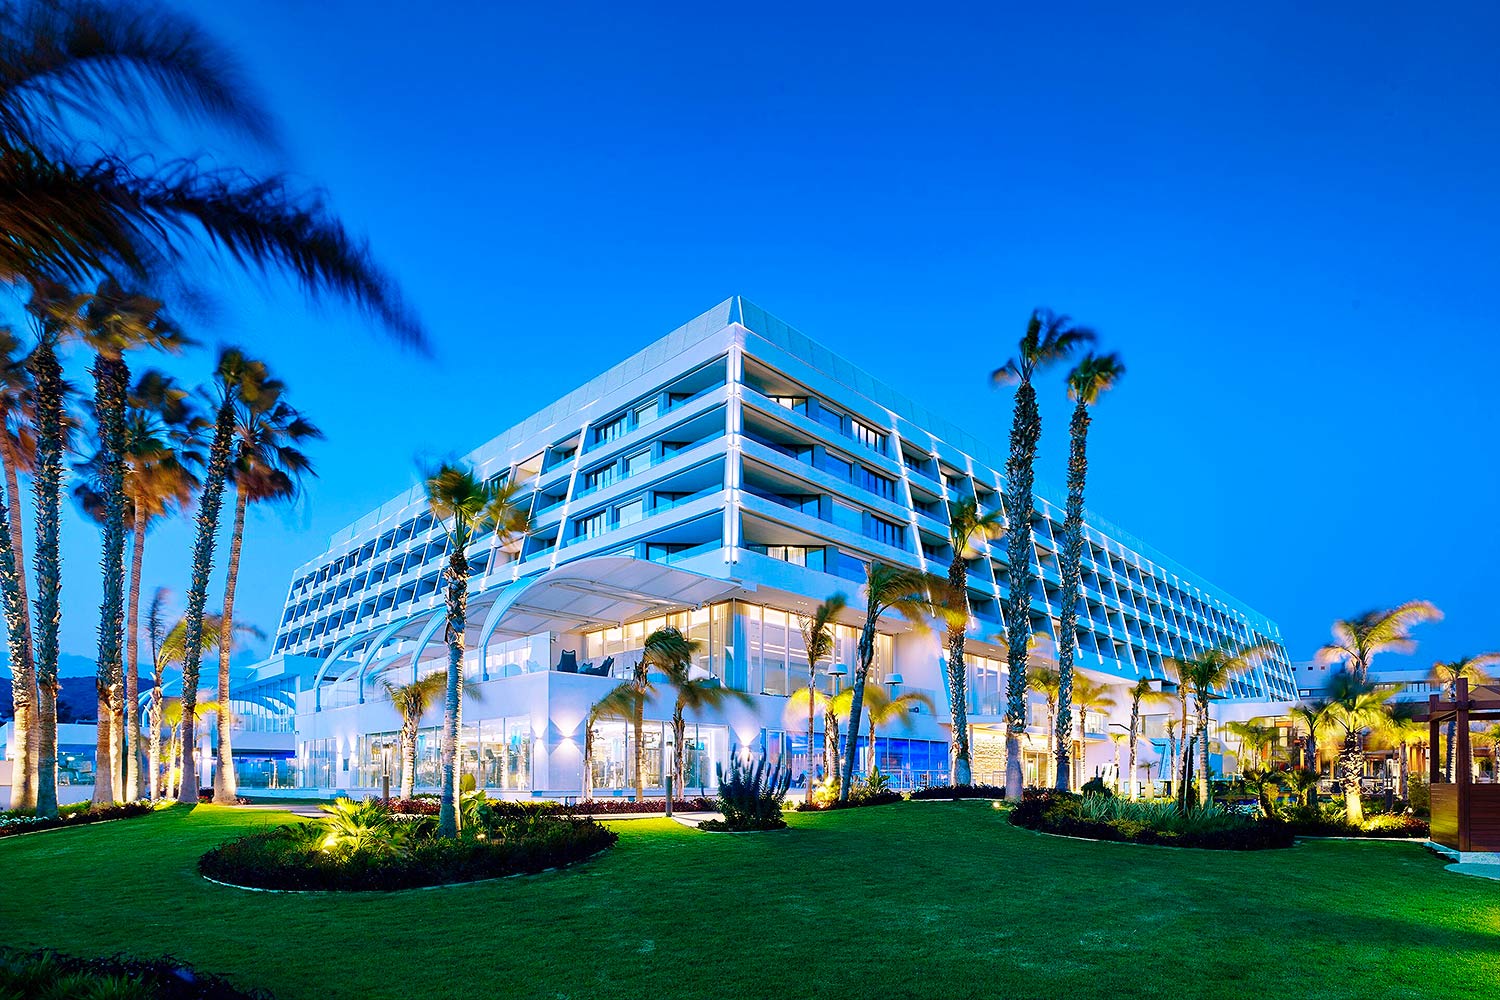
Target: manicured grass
x,y
913,900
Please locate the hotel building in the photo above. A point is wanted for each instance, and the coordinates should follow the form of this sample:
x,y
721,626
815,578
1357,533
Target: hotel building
x,y
726,478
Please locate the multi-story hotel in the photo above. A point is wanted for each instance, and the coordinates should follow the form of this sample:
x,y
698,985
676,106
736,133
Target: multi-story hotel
x,y
726,478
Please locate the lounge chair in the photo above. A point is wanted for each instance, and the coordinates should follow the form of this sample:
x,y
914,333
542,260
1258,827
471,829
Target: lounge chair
x,y
567,662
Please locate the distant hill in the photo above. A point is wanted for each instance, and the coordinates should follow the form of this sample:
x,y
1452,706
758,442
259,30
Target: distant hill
x,y
78,701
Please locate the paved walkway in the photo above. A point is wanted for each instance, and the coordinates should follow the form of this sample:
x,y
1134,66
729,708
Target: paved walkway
x,y
1477,870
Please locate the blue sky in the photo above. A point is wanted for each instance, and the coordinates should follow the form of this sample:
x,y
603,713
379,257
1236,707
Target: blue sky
x,y
1284,221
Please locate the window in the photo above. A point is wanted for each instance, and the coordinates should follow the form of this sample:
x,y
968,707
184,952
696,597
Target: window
x,y
639,462
795,403
833,465
888,532
629,513
882,486
647,413
794,554
594,525
868,436
601,477
615,428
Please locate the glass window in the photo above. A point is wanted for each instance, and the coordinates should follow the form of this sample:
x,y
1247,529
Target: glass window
x,y
647,413
629,513
639,462
614,429
867,435
594,525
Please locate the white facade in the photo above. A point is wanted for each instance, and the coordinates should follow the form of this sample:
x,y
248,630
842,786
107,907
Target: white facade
x,y
725,478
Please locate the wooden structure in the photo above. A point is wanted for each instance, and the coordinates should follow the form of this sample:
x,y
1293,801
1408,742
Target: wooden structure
x,y
1465,815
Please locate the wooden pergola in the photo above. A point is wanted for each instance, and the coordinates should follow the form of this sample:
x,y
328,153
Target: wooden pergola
x,y
1465,815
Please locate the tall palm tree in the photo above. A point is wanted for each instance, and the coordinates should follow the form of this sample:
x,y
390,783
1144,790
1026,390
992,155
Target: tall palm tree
x,y
57,312
115,321
412,701
1256,738
1045,681
967,526
1094,375
1088,695
625,701
835,708
464,506
1049,339
237,379
1356,641
887,588
1475,670
1141,693
78,76
268,467
817,641
1207,672
1353,707
17,454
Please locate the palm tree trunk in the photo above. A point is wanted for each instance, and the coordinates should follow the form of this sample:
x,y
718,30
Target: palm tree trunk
x,y
209,504
449,821
678,735
812,712
830,744
409,758
638,750
1180,779
588,759
23,679
1083,751
1203,750
856,704
1135,719
132,659
1350,761
111,383
153,741
47,486
1072,574
958,676
1026,429
225,786
1451,738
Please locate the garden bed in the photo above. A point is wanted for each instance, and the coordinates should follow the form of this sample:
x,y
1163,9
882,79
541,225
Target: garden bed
x,y
1149,823
424,805
45,974
364,848
15,823
947,792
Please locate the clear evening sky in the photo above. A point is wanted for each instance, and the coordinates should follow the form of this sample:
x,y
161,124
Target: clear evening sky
x,y
1284,221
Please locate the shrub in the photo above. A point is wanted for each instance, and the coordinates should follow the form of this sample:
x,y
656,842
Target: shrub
x,y
958,792
424,805
15,821
47,975
1330,822
750,796
294,857
206,796
1099,817
1096,786
1420,795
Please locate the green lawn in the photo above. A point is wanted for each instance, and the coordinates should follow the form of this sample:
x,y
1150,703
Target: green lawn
x,y
912,900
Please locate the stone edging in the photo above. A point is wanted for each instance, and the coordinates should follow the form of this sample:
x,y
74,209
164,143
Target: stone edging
x,y
413,888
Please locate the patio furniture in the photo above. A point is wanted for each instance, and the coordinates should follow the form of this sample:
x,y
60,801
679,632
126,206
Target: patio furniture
x,y
567,662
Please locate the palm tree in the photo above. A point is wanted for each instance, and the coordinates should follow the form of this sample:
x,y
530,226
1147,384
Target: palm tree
x,y
1473,669
1304,716
464,506
1356,641
268,468
817,641
1089,695
1141,693
693,694
1256,738
1354,706
835,708
887,588
1045,681
1400,732
1203,674
17,454
78,76
882,708
412,701
115,321
237,379
1094,375
1049,338
625,701
966,527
